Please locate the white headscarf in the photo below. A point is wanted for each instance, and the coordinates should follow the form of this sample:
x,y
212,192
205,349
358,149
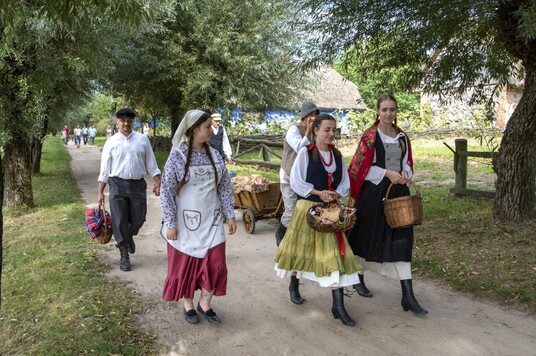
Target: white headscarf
x,y
188,120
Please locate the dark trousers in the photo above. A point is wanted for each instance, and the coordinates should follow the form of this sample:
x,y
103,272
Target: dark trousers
x,y
128,206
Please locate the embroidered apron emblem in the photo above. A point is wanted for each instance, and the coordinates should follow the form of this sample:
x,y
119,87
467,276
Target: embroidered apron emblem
x,y
192,219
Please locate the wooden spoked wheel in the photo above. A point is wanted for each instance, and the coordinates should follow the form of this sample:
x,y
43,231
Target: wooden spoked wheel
x,y
249,221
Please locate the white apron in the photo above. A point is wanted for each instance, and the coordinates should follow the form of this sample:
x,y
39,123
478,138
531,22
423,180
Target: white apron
x,y
199,217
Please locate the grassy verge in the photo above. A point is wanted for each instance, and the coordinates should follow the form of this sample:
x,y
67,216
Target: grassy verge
x,y
460,244
56,300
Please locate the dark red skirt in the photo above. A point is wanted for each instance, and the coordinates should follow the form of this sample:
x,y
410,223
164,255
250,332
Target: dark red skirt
x,y
186,274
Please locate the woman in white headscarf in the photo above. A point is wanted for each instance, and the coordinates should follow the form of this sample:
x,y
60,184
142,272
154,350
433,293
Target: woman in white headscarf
x,y
196,193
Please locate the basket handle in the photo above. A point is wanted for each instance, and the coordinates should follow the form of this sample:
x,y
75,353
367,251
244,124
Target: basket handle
x,y
103,209
410,182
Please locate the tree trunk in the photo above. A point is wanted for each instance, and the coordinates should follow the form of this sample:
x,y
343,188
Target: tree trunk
x,y
1,227
515,164
37,148
17,174
175,118
154,132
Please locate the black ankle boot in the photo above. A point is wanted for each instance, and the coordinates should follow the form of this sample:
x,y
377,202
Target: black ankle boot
x,y
338,310
408,299
293,288
124,263
131,246
361,288
280,233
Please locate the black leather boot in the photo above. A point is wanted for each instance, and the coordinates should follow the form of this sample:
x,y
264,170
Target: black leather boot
x,y
131,246
408,299
338,310
293,288
361,288
124,263
280,233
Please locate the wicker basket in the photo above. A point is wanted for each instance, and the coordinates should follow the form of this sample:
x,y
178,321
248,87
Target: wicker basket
x,y
403,212
347,218
106,234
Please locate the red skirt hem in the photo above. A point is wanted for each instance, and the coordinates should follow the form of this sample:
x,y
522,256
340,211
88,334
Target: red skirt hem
x,y
186,274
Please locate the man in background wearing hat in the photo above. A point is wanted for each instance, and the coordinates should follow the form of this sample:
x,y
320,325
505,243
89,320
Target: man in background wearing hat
x,y
219,140
126,158
297,136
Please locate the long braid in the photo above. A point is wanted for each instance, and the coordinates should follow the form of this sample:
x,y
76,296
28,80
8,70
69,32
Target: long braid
x,y
313,141
209,154
187,165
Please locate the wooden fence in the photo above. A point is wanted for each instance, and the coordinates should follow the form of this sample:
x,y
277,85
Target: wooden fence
x,y
460,169
265,144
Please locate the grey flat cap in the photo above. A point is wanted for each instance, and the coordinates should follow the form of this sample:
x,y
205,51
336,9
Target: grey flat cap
x,y
307,107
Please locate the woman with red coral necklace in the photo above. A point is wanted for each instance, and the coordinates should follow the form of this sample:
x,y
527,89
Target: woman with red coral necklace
x,y
382,157
318,175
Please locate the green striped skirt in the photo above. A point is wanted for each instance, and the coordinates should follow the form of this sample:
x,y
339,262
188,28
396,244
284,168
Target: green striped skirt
x,y
315,255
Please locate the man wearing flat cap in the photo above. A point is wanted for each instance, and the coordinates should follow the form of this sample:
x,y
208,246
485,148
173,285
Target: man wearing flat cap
x,y
219,140
126,158
297,136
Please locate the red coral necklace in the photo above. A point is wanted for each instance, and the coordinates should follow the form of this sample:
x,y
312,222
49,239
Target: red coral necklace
x,y
322,157
330,175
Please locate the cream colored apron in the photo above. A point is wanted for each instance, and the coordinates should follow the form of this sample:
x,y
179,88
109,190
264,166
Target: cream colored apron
x,y
199,217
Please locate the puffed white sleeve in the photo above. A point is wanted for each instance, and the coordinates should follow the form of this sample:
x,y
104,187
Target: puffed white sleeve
x,y
298,174
344,186
295,140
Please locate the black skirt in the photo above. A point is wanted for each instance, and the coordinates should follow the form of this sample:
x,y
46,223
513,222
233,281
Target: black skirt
x,y
371,238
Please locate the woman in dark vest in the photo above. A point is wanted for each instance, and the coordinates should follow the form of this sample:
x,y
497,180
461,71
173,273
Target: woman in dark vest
x,y
383,156
318,175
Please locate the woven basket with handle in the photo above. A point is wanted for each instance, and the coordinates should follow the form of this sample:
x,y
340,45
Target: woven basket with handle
x,y
106,234
346,221
403,211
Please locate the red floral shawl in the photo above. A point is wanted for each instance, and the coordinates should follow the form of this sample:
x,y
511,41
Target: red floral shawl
x,y
363,157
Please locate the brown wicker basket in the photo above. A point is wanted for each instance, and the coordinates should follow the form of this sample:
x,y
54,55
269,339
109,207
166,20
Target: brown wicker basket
x,y
346,221
403,212
106,234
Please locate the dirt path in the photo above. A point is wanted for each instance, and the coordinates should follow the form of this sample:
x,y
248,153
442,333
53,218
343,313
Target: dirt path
x,y
259,319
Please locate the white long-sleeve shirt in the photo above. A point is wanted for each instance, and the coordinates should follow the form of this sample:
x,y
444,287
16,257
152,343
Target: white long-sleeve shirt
x,y
127,157
296,141
298,174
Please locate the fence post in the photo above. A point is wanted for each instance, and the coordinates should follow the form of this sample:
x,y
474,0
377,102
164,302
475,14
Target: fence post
x,y
460,164
265,153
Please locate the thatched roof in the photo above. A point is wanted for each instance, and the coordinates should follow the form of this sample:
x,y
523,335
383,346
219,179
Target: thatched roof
x,y
330,91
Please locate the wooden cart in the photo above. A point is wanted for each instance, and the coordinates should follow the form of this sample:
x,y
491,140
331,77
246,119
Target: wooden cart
x,y
257,206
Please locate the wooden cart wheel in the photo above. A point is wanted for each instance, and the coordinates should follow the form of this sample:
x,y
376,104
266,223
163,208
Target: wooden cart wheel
x,y
249,221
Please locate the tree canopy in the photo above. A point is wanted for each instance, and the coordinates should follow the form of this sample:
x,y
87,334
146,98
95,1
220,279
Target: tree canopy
x,y
449,47
49,55
209,54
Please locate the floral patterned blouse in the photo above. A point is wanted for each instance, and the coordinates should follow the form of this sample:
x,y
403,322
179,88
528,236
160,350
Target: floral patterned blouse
x,y
173,173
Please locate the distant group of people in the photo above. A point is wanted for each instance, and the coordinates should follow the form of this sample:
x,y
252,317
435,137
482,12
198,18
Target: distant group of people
x,y
87,135
79,134
196,199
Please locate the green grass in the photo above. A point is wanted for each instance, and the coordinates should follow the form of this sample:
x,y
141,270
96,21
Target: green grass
x,y
99,141
56,300
460,244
